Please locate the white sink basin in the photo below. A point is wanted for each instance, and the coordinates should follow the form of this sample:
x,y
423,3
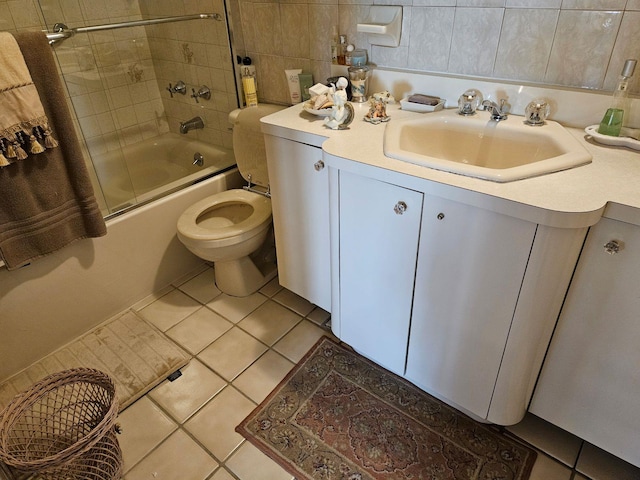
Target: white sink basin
x,y
477,146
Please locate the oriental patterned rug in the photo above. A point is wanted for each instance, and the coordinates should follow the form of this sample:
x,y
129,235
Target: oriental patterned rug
x,y
339,416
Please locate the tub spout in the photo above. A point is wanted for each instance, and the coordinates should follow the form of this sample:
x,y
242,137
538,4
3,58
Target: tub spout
x,y
193,124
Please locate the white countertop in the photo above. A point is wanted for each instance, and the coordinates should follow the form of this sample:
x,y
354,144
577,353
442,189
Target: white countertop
x,y
572,198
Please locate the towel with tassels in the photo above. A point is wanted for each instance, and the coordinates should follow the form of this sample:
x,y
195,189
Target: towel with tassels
x,y
24,127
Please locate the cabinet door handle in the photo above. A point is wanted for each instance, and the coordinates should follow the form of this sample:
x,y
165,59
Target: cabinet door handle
x,y
613,246
319,165
400,208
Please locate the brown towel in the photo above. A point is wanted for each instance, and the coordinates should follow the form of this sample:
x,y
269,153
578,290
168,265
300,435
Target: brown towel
x,y
47,200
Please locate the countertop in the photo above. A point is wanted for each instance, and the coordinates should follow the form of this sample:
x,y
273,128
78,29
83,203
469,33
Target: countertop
x,y
608,186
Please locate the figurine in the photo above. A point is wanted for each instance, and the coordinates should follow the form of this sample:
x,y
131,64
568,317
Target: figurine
x,y
341,112
377,111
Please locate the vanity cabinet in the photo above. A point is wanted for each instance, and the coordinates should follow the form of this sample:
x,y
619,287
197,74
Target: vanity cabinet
x,y
379,226
590,381
470,269
299,184
458,299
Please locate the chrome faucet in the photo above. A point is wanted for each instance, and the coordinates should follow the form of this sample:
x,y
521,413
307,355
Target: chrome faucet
x,y
498,112
193,124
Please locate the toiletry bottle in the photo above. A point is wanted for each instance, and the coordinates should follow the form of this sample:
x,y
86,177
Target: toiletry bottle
x,y
335,45
342,49
249,86
612,121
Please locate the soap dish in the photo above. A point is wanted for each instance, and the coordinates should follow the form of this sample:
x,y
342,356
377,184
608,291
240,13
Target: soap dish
x,y
405,104
592,131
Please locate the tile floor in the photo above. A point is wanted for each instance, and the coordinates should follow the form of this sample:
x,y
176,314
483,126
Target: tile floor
x,y
242,349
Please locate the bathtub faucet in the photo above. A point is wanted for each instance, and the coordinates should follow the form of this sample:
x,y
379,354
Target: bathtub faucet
x,y
193,124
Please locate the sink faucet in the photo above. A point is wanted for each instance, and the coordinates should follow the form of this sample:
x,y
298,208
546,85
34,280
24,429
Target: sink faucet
x,y
193,124
498,112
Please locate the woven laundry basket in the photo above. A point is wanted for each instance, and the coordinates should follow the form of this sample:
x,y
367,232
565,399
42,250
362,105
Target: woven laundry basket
x,y
63,428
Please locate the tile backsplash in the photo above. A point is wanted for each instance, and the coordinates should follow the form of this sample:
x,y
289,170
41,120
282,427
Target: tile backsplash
x,y
572,43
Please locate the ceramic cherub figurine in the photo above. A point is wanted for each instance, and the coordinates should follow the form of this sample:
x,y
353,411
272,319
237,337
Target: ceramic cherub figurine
x,y
341,112
377,111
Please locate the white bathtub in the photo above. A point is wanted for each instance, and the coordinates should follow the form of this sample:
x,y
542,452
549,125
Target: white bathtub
x,y
155,167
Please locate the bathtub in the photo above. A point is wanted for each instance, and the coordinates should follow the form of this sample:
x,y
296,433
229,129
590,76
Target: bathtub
x,y
152,168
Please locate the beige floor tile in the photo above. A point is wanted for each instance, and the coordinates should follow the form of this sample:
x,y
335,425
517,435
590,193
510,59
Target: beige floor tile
x,y
597,464
271,288
199,330
235,309
144,426
556,442
222,474
249,463
214,425
202,287
546,468
299,340
269,322
232,353
295,302
189,392
263,376
319,316
170,309
178,457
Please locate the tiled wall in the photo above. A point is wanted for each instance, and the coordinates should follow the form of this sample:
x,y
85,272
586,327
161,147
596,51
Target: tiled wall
x,y
196,52
575,43
116,79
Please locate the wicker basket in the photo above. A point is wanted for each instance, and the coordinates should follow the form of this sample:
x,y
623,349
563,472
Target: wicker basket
x,y
63,427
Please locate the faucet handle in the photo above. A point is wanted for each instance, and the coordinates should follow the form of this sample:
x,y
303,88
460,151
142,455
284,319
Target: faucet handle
x,y
469,102
203,92
536,112
179,87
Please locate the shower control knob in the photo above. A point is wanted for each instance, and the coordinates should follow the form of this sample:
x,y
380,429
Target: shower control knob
x,y
319,165
613,246
400,208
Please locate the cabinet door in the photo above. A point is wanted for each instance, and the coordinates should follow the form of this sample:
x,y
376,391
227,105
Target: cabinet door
x,y
470,269
590,380
379,228
300,202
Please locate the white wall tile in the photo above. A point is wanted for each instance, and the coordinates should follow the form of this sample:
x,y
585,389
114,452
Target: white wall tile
x,y
533,3
593,4
582,46
430,39
525,43
626,46
480,3
476,32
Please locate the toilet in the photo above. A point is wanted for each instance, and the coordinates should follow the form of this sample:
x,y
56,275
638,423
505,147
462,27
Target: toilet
x,y
233,229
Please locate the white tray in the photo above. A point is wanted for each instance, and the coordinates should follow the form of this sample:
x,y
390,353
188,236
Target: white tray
x,y
405,104
592,131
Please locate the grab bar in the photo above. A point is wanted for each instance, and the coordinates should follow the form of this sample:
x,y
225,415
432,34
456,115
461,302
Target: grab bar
x,y
61,31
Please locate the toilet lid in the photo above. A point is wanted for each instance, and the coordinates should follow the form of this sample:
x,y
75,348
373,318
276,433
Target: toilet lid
x,y
248,143
261,214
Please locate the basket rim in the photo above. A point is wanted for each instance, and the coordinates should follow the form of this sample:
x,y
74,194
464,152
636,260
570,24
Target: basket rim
x,y
21,402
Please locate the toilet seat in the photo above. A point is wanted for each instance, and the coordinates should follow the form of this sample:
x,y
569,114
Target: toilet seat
x,y
228,233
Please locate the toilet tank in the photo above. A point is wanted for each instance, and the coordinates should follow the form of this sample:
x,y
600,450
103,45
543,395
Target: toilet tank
x,y
248,141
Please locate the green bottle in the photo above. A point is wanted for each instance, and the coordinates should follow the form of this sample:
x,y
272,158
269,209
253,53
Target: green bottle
x,y
612,121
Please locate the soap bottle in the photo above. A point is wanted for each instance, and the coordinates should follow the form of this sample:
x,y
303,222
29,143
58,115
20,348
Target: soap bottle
x,y
612,121
342,50
249,84
334,45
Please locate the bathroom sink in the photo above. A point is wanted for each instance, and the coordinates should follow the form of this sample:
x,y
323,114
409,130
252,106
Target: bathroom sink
x,y
477,146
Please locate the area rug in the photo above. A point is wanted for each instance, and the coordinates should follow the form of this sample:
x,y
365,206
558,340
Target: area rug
x,y
339,416
134,353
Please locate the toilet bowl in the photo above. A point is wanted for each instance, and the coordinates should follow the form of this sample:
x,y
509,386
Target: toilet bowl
x,y
233,229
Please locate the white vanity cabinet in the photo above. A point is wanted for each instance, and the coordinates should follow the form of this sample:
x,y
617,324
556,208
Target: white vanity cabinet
x,y
470,269
300,202
590,381
379,226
